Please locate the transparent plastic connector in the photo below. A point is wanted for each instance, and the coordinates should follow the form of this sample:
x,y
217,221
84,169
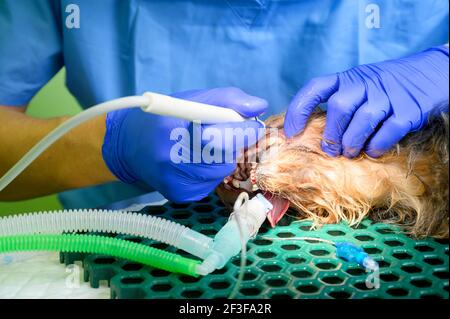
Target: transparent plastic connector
x,y
244,223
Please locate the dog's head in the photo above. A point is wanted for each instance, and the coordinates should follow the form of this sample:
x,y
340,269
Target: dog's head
x,y
297,173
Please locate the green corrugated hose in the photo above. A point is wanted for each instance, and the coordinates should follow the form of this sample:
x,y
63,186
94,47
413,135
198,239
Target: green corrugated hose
x,y
101,245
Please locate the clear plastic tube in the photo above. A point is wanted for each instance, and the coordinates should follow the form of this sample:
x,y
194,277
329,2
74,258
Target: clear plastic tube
x,y
104,221
243,263
101,245
50,138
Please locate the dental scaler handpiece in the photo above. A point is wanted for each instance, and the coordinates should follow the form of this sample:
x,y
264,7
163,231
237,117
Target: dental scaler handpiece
x,y
150,102
189,110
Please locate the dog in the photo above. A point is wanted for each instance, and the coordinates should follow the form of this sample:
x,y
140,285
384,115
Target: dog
x,y
407,186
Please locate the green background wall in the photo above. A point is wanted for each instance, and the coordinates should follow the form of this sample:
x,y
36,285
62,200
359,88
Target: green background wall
x,y
53,100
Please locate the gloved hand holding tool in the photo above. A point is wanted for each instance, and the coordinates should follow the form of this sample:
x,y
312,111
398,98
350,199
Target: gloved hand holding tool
x,y
137,145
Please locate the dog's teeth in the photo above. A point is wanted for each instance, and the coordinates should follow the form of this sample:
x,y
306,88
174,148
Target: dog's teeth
x,y
227,179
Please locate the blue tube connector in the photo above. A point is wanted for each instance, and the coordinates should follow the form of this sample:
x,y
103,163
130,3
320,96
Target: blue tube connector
x,y
353,253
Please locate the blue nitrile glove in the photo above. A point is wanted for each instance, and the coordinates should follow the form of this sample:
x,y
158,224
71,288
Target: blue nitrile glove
x,y
160,151
372,107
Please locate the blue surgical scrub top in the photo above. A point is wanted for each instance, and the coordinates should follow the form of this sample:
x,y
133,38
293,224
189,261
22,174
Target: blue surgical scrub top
x,y
267,48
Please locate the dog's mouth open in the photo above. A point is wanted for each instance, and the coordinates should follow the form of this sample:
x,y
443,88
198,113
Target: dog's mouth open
x,y
243,179
229,193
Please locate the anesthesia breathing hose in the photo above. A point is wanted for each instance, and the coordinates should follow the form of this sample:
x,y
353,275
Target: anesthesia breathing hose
x,y
244,223
105,221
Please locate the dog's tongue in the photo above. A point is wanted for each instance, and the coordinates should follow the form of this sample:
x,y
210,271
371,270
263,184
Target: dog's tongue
x,y
280,207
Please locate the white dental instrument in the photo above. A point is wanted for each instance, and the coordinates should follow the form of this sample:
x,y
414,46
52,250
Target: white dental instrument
x,y
149,102
189,110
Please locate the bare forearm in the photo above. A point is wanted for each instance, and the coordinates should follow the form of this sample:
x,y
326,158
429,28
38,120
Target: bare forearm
x,y
72,162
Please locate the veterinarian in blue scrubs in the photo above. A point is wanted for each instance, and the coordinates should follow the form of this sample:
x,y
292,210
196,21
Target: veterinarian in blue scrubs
x,y
269,49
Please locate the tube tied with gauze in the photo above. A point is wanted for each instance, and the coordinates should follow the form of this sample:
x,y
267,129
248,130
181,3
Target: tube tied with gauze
x,y
189,110
251,215
105,221
101,245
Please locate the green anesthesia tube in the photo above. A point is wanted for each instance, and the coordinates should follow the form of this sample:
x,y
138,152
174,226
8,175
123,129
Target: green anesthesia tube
x,y
101,245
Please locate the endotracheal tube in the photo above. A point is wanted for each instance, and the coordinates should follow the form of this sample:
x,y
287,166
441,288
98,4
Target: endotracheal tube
x,y
244,223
